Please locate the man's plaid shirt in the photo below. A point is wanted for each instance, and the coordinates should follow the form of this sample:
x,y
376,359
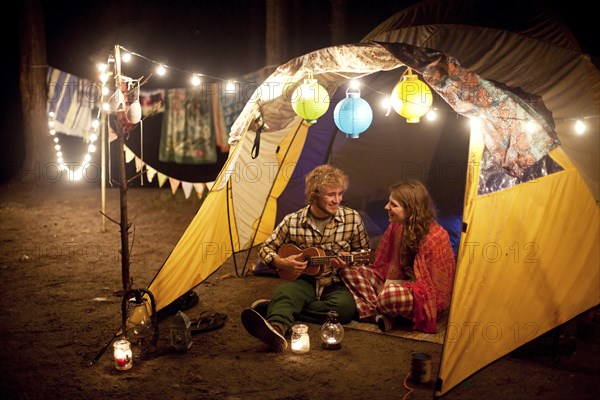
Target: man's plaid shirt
x,y
344,232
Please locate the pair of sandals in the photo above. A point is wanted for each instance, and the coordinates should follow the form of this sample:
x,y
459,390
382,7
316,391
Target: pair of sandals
x,y
208,321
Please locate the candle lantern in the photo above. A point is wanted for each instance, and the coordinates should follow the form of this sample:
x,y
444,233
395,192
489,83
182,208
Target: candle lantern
x,y
140,323
332,332
300,339
181,332
123,355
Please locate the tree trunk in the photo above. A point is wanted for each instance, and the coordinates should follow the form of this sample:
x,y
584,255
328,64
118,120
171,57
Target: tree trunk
x,y
338,22
32,82
275,32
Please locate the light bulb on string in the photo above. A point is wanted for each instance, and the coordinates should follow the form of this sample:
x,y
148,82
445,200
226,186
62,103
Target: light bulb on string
x,y
230,86
196,80
579,127
431,115
386,103
160,70
354,84
531,126
475,123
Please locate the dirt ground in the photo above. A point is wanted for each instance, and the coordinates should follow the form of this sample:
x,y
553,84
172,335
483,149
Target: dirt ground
x,y
60,270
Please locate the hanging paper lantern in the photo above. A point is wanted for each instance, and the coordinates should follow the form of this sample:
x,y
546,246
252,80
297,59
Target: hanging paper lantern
x,y
353,115
411,98
310,100
134,112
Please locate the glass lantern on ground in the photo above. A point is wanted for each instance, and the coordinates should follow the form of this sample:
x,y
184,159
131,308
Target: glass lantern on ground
x,y
181,332
122,355
139,320
300,339
332,332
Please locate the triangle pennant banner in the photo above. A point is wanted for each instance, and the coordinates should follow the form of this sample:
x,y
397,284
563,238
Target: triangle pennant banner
x,y
199,187
187,189
128,155
139,164
150,173
162,178
174,184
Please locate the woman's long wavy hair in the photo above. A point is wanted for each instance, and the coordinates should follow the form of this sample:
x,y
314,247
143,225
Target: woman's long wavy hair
x,y
419,212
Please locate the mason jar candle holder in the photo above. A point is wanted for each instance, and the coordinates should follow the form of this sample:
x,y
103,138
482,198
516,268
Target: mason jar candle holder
x,y
300,339
123,355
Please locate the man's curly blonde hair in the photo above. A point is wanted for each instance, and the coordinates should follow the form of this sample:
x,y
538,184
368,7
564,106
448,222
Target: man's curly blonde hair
x,y
321,177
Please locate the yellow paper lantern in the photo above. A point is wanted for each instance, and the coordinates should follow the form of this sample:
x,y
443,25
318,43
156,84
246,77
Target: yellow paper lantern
x,y
310,100
411,97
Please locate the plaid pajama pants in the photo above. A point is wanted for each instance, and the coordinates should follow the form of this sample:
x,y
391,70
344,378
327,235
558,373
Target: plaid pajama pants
x,y
373,296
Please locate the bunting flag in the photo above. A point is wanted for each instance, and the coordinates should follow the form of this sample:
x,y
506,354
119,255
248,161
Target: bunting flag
x,y
199,187
187,188
139,164
150,173
162,178
129,155
174,184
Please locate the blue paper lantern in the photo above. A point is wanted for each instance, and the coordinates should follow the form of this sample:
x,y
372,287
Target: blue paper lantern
x,y
353,115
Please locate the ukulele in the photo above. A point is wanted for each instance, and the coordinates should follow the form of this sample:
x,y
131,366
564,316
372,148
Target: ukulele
x,y
317,259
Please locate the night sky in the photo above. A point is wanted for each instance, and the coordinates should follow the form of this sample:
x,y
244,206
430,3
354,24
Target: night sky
x,y
222,39
219,38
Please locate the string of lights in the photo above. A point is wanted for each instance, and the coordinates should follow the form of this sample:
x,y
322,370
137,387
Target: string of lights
x,y
114,100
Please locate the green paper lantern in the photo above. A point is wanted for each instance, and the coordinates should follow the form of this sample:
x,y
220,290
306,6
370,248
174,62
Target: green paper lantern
x,y
310,100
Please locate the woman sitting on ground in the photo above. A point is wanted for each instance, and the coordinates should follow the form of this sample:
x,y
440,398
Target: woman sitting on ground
x,y
413,269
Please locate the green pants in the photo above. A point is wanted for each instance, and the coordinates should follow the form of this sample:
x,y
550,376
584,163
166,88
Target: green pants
x,y
297,299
